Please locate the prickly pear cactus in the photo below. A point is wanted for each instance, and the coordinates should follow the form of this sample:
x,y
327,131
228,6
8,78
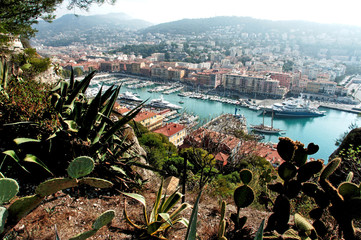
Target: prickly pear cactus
x,y
8,189
103,219
96,182
54,185
3,215
246,176
243,196
80,167
295,172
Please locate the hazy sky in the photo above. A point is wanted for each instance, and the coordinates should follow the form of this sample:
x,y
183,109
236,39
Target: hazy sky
x,y
158,11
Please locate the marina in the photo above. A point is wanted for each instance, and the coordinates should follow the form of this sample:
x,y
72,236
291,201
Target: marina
x,y
323,130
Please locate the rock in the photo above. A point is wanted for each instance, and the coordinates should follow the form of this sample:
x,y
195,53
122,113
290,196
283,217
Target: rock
x,y
349,162
171,184
137,150
353,137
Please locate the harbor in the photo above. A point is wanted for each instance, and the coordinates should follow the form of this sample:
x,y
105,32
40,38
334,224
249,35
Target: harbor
x,y
323,130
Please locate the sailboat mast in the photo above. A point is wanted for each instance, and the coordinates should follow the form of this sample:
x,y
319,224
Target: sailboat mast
x,y
272,120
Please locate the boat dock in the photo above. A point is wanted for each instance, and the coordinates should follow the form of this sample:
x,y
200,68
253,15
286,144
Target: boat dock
x,y
342,107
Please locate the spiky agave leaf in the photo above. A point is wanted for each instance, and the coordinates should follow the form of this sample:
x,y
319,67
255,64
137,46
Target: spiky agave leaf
x,y
140,199
192,227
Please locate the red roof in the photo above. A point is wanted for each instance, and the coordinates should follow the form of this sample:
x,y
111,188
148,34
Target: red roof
x,y
120,109
170,129
222,157
144,115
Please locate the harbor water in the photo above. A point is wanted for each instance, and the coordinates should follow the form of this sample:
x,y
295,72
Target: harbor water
x,y
322,131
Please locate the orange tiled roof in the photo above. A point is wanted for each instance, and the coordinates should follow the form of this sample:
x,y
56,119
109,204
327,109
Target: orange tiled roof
x,y
222,157
170,129
120,109
144,115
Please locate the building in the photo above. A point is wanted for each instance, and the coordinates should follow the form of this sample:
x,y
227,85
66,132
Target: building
x,y
322,87
174,132
257,85
176,74
149,120
109,67
159,72
208,80
283,78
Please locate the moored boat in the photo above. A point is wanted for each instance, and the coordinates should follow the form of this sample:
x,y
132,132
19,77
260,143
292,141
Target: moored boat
x,y
161,103
129,97
296,108
262,128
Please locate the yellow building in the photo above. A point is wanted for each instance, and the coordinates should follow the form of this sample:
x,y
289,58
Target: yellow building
x,y
149,120
174,132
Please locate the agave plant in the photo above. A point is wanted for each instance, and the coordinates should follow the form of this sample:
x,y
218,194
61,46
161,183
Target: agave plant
x,y
160,218
85,127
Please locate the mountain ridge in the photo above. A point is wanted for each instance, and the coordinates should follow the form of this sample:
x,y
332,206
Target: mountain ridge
x,y
73,22
201,25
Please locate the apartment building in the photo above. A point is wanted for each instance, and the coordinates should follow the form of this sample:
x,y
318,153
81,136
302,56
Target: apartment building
x,y
159,72
109,67
253,85
323,87
284,79
150,120
208,80
174,132
176,74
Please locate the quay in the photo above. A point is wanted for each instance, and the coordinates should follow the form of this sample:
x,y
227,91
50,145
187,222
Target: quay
x,y
342,107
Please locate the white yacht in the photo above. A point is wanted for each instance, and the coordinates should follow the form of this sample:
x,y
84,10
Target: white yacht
x,y
297,108
129,97
161,103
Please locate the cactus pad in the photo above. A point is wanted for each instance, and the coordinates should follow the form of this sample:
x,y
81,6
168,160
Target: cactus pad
x,y
309,189
348,190
287,171
96,182
293,189
316,213
300,156
277,187
353,208
84,235
53,185
22,207
103,219
282,209
243,196
303,224
8,189
3,216
80,166
246,176
286,148
312,149
330,168
306,171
